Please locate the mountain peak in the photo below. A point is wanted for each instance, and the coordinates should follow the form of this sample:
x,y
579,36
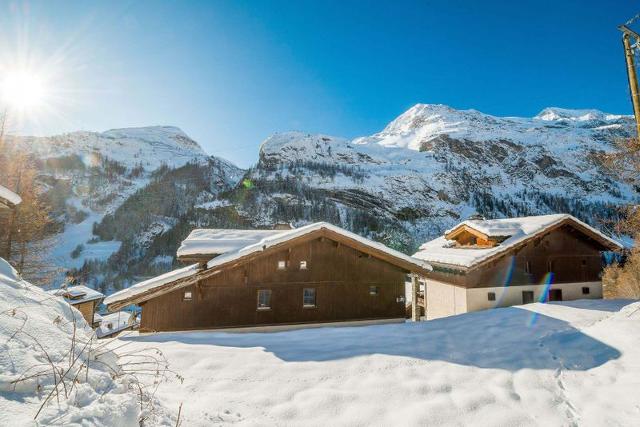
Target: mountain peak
x,y
579,115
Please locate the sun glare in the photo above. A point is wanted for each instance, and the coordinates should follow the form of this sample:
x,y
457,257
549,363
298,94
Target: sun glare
x,y
23,90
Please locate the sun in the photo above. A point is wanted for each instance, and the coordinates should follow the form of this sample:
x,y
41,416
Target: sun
x,y
23,90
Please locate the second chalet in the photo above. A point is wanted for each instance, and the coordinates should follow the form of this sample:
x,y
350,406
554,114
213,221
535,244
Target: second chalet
x,y
482,264
244,278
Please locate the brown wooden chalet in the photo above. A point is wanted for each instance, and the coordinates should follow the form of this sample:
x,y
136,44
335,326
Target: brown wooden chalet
x,y
313,274
482,264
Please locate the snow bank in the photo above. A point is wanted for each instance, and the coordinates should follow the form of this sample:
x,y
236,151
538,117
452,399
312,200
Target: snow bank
x,y
574,363
36,334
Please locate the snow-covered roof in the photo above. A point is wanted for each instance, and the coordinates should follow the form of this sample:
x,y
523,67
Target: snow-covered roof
x,y
77,294
213,242
152,284
8,198
443,251
262,245
286,235
114,322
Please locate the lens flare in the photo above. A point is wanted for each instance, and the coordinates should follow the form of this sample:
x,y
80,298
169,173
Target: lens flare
x,y
547,281
506,282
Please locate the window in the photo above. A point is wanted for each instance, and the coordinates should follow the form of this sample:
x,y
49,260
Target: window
x,y
282,265
527,297
550,266
374,290
527,267
187,296
309,297
264,299
491,296
303,265
585,290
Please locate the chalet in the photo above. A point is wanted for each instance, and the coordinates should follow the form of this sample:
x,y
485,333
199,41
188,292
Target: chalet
x,y
482,264
313,274
84,299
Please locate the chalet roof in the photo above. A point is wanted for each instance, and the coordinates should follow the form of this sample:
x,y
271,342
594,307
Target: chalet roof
x,y
152,284
519,230
77,294
148,289
8,199
211,242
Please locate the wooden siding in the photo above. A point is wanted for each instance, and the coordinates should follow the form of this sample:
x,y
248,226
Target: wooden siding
x,y
566,252
87,309
340,274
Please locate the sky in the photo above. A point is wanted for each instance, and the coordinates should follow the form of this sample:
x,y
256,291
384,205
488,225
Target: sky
x,y
231,73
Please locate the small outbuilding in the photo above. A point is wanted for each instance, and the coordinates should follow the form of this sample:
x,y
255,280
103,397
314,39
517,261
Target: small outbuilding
x,y
84,299
481,264
313,274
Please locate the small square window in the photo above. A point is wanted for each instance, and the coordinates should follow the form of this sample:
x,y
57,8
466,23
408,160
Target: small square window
x,y
303,265
264,299
374,290
491,296
309,297
187,296
585,290
282,265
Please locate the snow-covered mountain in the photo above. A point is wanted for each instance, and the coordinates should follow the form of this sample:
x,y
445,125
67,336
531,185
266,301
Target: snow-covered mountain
x,y
89,175
145,189
434,165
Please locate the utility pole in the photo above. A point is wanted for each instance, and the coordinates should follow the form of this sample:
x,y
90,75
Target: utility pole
x,y
627,33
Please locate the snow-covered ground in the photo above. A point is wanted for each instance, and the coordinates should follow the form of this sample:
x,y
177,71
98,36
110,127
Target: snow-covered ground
x,y
92,385
571,363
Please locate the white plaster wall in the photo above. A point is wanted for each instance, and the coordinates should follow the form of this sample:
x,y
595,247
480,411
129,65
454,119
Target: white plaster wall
x,y
477,298
444,300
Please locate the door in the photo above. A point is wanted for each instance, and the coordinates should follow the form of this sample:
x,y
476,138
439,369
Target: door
x,y
555,294
527,297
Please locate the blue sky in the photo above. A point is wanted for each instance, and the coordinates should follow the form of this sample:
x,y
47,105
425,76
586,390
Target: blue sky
x,y
230,73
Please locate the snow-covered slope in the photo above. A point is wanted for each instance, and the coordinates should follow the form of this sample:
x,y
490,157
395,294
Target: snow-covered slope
x,y
40,333
571,363
89,175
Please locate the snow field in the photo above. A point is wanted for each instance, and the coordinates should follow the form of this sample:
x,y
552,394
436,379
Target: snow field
x,y
576,363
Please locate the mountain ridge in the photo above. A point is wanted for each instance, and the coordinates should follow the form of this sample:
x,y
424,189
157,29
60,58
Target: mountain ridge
x,y
423,172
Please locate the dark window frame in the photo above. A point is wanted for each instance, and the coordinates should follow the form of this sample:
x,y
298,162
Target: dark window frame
x,y
305,304
374,290
258,302
586,290
491,296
